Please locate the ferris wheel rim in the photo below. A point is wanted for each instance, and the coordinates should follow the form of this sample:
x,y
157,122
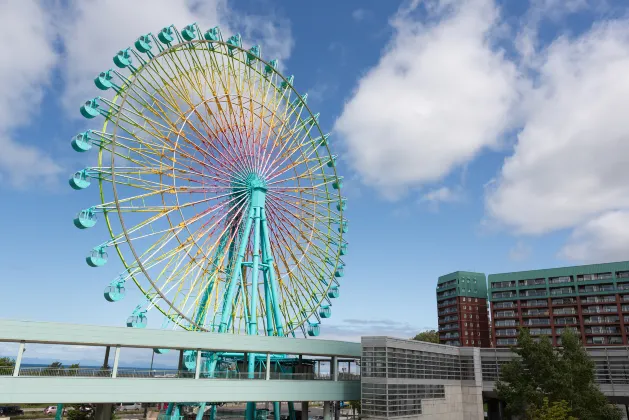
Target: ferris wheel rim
x,y
121,218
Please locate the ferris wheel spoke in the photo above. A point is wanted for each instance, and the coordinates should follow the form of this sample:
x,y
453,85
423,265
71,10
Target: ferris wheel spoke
x,y
315,232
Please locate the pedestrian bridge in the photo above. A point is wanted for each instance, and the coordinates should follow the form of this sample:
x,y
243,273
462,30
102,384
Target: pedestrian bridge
x,y
20,384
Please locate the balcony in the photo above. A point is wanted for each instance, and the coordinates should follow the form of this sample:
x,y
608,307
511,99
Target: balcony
x,y
534,292
565,321
450,335
507,323
535,312
532,282
601,320
562,291
594,277
446,303
604,340
560,331
623,286
537,321
564,301
446,285
558,280
535,303
449,327
565,311
506,342
540,331
504,305
447,311
597,288
597,299
602,330
503,284
503,295
506,314
507,333
442,295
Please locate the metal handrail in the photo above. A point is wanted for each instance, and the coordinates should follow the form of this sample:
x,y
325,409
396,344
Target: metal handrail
x,y
168,373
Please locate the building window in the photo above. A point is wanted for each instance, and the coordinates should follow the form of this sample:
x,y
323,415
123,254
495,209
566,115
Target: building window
x,y
472,342
463,299
467,341
464,307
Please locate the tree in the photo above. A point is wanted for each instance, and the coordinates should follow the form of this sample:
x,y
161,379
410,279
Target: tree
x,y
558,410
73,370
557,374
356,407
80,412
6,365
429,336
54,369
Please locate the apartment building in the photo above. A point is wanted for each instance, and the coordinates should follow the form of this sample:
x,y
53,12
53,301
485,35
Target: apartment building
x,y
592,300
462,309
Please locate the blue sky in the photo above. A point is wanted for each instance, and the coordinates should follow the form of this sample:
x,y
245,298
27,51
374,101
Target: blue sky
x,y
473,135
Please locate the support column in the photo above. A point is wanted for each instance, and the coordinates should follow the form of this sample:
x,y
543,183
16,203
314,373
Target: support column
x,y
114,372
277,408
18,360
197,368
326,411
201,410
291,410
213,410
304,410
334,367
268,366
103,411
106,361
59,413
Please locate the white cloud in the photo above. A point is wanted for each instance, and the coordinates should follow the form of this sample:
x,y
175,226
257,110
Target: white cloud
x,y
602,239
104,30
360,14
520,252
438,96
28,57
569,167
441,195
92,32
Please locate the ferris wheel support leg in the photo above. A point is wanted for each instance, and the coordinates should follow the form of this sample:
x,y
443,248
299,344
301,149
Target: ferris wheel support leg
x,y
253,313
267,304
291,410
268,260
201,411
229,302
276,410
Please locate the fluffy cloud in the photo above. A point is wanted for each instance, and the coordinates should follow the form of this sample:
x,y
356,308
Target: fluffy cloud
x,y
569,167
104,30
604,238
439,95
28,57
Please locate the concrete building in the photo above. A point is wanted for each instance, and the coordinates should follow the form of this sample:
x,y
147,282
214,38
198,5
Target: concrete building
x,y
462,309
413,379
593,300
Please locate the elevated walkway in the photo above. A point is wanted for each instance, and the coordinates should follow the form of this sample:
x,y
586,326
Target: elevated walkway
x,y
43,385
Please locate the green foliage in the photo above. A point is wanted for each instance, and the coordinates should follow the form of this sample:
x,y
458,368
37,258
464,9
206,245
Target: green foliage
x,y
557,374
355,405
7,362
80,412
430,336
54,369
558,410
73,370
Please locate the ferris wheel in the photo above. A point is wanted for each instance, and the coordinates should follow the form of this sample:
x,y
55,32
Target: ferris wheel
x,y
217,185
